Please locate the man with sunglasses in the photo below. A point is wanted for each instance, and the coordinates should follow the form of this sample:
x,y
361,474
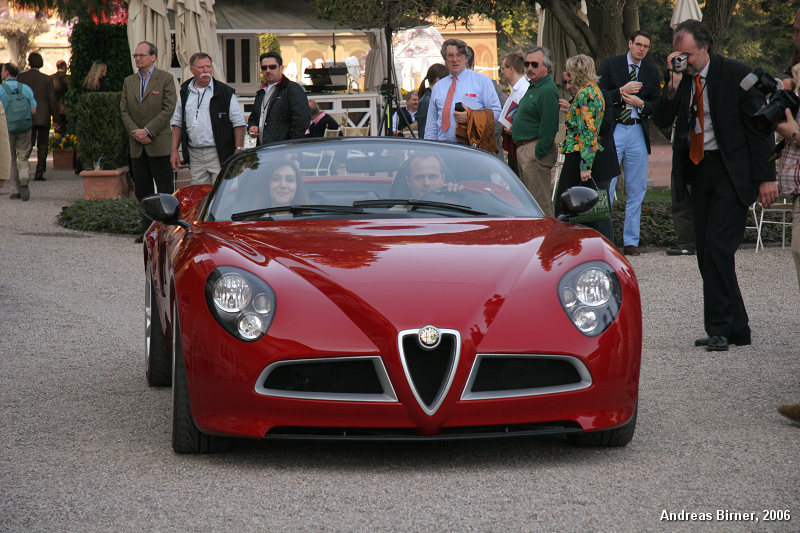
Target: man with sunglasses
x,y
634,85
280,111
535,126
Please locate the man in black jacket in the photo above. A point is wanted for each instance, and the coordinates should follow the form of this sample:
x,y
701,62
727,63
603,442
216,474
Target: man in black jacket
x,y
633,84
725,160
207,123
280,110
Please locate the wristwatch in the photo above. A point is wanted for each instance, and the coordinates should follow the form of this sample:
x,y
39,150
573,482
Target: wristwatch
x,y
794,137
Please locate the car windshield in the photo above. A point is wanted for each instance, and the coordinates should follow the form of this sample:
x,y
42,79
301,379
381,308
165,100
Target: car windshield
x,y
366,178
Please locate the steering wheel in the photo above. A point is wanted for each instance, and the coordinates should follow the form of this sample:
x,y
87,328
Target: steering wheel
x,y
445,194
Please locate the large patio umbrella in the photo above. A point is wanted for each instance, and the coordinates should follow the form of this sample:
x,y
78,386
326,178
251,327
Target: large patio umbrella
x,y
196,31
375,63
147,21
685,10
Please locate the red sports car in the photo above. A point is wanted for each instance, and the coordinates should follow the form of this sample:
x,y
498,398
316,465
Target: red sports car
x,y
384,288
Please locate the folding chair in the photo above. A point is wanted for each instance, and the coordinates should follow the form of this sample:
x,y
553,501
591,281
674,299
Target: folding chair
x,y
782,206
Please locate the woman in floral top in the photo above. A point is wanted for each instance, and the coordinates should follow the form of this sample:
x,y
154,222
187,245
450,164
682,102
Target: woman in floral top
x,y
589,149
585,114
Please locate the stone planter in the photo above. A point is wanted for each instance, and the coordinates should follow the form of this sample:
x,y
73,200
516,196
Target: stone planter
x,y
62,159
104,184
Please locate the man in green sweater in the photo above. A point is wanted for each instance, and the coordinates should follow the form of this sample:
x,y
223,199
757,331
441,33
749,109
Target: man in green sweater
x,y
535,126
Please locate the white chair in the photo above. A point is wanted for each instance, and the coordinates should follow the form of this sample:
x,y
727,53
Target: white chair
x,y
355,131
784,208
331,133
310,163
339,116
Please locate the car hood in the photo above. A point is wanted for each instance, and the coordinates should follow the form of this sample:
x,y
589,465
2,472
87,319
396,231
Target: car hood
x,y
405,274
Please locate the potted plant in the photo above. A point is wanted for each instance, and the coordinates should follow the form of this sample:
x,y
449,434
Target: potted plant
x,y
62,147
103,146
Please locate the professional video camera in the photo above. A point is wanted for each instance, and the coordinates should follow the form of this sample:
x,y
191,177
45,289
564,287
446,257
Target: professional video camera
x,y
768,117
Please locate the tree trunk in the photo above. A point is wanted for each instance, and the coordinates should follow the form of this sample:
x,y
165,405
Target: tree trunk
x,y
630,19
605,20
716,16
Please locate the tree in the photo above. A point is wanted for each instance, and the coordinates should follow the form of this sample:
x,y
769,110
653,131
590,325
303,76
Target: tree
x,y
20,30
69,9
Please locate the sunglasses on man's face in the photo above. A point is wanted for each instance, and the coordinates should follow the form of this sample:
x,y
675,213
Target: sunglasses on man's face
x,y
269,67
533,64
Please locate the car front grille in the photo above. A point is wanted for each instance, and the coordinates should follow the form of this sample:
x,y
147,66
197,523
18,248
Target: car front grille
x,y
514,375
355,378
430,372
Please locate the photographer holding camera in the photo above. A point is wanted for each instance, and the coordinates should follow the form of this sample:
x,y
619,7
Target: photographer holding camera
x,y
789,178
724,159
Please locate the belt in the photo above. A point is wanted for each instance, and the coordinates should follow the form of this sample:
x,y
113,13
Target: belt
x,y
525,142
629,122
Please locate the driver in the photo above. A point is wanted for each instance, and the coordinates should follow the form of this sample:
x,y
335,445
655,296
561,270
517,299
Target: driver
x,y
426,174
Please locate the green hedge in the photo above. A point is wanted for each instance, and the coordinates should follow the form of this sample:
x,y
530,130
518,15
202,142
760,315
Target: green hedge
x,y
122,216
100,131
88,42
103,216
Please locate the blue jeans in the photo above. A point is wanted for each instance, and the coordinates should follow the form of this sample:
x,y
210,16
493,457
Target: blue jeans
x,y
632,148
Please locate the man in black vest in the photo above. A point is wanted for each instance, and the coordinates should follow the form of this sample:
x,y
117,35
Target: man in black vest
x,y
406,116
207,123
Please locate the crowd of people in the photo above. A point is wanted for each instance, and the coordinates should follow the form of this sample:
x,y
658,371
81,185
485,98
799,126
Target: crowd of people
x,y
719,168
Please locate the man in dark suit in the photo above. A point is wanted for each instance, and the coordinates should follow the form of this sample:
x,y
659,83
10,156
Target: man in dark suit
x,y
60,89
45,95
725,160
634,86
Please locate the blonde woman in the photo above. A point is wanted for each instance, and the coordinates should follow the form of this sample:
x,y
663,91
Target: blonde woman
x,y
95,80
589,142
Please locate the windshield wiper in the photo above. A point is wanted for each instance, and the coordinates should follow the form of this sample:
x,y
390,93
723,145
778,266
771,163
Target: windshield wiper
x,y
388,202
298,210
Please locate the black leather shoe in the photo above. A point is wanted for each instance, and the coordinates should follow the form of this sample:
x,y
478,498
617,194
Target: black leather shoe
x,y
680,250
717,344
738,340
40,178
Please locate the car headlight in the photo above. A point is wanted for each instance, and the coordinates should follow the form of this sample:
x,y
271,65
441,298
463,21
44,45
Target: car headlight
x,y
241,302
590,295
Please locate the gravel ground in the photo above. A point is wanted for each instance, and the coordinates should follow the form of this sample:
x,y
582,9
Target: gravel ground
x,y
86,446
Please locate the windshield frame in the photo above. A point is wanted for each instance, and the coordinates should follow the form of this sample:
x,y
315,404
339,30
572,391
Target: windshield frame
x,y
493,178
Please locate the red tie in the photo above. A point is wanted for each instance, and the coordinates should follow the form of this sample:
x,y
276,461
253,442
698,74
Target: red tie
x,y
696,139
447,103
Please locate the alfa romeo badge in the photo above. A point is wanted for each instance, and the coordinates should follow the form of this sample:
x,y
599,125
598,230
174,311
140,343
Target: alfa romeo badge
x,y
429,337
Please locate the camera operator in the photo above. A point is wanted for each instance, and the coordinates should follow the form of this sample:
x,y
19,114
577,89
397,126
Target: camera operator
x,y
725,160
789,178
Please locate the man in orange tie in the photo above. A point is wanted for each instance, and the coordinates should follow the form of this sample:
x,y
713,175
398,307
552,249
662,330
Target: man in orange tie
x,y
724,159
461,86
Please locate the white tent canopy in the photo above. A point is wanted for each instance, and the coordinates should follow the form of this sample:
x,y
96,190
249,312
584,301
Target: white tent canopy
x,y
416,49
685,10
147,21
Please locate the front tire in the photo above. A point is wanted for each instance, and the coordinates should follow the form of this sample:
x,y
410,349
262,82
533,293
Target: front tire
x,y
608,438
186,438
157,356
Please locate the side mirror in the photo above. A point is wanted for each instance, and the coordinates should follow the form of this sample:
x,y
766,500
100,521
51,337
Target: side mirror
x,y
163,208
576,200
